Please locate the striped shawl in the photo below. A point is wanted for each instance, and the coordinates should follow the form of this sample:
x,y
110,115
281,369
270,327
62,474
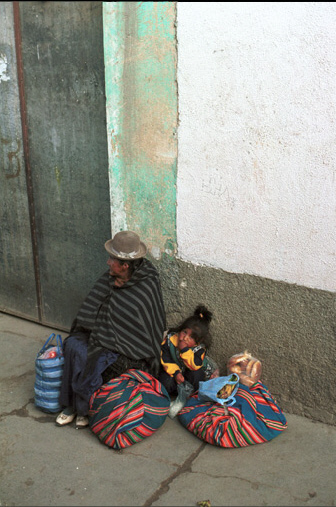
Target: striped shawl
x,y
129,320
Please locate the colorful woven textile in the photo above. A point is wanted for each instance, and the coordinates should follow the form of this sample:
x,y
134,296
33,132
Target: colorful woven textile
x,y
128,409
255,418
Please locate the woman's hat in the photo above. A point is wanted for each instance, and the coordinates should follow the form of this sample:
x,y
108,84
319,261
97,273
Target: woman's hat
x,y
126,245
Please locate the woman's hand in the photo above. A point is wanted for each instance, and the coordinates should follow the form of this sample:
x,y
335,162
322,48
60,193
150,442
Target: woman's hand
x,y
179,378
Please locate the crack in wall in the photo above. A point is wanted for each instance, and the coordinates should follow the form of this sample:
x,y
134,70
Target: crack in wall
x,y
181,469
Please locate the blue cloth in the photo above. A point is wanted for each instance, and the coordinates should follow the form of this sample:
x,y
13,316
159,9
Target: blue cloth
x,y
77,388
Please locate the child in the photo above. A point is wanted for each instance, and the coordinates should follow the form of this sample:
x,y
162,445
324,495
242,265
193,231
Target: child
x,y
183,351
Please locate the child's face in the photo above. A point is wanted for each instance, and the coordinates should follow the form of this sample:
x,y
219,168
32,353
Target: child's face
x,y
185,339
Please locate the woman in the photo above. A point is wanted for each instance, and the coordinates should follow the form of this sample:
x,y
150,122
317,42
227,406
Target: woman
x,y
119,326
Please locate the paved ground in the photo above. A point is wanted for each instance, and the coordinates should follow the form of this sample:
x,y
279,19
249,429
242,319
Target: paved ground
x,y
44,465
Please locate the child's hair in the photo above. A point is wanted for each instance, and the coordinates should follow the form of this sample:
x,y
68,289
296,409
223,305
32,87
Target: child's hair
x,y
199,324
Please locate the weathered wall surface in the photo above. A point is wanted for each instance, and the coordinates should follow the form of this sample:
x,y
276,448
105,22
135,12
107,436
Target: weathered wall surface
x,y
255,182
140,76
256,166
290,328
256,188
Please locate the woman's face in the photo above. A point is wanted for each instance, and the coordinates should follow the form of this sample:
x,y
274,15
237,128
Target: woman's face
x,y
116,268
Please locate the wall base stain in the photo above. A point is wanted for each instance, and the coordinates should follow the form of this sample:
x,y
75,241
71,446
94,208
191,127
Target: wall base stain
x,y
290,328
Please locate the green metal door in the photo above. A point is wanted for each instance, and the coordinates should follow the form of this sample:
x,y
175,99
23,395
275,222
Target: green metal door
x,y
54,184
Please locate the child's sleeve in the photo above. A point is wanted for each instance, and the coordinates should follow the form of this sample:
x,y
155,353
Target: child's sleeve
x,y
193,359
167,361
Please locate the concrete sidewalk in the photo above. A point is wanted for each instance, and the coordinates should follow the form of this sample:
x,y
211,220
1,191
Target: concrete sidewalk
x,y
44,465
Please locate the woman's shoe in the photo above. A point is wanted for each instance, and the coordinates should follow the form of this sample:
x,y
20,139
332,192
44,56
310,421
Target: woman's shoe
x,y
81,422
62,419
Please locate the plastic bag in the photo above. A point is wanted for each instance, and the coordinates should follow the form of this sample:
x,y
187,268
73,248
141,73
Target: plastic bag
x,y
184,390
246,366
220,389
48,375
211,368
51,352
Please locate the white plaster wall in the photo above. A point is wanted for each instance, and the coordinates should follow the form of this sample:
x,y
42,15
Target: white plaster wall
x,y
256,184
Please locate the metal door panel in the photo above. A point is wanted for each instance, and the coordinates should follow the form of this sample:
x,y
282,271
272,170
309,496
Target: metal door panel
x,y
64,93
62,48
17,277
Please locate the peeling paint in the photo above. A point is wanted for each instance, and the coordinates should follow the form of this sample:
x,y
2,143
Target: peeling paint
x,y
113,51
141,95
3,68
156,252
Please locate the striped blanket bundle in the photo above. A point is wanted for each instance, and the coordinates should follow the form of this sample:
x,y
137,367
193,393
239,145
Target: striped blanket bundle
x,y
255,418
128,409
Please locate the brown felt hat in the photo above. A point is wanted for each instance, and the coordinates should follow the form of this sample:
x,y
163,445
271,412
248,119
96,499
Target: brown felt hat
x,y
126,245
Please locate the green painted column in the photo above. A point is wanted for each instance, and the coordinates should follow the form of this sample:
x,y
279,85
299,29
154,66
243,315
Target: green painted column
x,y
141,105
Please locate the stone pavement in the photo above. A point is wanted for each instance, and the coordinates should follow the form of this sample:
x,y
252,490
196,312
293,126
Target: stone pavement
x,y
44,465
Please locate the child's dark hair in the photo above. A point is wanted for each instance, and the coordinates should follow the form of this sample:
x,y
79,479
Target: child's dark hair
x,y
199,323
